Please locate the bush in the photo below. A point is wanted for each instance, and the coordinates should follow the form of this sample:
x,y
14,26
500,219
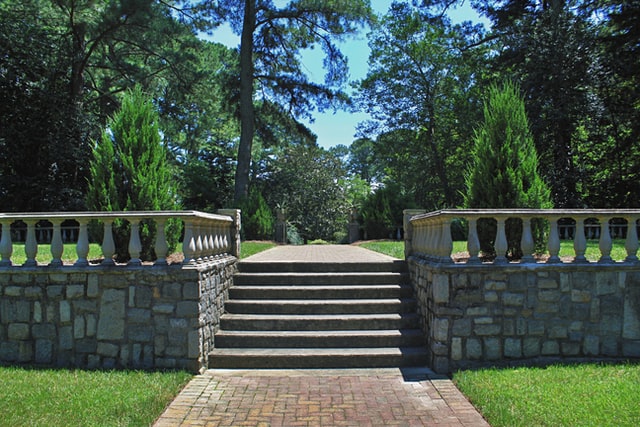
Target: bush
x,y
504,173
257,219
130,172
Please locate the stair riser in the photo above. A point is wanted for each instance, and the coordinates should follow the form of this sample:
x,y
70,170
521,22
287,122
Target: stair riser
x,y
331,324
319,280
239,307
317,362
249,292
319,267
230,341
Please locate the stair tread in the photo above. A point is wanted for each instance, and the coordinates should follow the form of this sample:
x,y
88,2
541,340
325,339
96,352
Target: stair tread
x,y
318,316
323,301
347,332
315,351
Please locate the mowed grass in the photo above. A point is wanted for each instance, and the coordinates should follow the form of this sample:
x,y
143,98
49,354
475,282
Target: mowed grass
x,y
44,256
576,395
392,248
249,248
396,249
50,397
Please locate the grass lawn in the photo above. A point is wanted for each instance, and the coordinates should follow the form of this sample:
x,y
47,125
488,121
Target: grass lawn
x,y
85,398
250,247
577,395
396,249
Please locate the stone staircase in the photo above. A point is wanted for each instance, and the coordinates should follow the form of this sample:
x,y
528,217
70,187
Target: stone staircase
x,y
319,315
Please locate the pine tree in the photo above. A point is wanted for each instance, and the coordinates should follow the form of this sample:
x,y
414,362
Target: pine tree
x,y
130,172
505,169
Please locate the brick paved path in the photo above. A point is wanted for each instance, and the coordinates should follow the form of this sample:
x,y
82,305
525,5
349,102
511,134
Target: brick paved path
x,y
360,397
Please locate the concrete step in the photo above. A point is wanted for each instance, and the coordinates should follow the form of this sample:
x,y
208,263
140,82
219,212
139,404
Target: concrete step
x,y
263,358
327,278
317,322
398,266
320,339
321,306
319,291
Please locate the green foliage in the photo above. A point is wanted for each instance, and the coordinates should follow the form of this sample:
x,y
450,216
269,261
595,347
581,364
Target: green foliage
x,y
130,172
420,90
504,172
309,183
257,219
381,213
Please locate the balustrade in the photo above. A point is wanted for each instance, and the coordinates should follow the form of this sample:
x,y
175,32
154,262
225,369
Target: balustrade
x,y
206,236
431,233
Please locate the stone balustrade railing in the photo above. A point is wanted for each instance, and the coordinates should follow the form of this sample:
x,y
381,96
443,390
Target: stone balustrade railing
x,y
206,235
428,235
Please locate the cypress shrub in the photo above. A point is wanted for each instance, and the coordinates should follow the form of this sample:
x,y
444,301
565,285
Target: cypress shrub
x,y
504,173
130,172
257,218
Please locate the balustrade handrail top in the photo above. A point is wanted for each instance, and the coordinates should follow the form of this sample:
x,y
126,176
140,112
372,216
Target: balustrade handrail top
x,y
516,212
183,214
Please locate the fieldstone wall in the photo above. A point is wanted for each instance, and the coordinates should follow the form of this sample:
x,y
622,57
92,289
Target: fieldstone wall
x,y
112,317
534,313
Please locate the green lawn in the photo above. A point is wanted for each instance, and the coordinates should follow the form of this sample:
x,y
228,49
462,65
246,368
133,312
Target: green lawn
x,y
396,249
253,247
578,395
85,398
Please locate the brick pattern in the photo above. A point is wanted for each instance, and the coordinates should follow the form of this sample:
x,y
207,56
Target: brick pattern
x,y
380,397
478,315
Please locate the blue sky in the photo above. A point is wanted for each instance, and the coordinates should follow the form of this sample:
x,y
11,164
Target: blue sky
x,y
340,127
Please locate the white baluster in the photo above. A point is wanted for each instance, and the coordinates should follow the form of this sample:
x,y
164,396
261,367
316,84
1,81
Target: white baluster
x,y
82,247
108,245
473,243
554,241
57,247
6,245
189,243
605,243
217,240
206,249
631,244
198,237
526,242
135,246
161,248
446,242
433,248
501,245
31,245
580,241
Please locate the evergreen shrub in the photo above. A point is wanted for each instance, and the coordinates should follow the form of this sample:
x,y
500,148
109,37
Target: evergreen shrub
x,y
504,173
130,172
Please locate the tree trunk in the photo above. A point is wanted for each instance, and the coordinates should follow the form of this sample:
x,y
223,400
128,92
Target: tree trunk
x,y
247,113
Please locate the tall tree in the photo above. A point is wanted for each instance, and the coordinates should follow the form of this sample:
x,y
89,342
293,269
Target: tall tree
x,y
272,40
421,81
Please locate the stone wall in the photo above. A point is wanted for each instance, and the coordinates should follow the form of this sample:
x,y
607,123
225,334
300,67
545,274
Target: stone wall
x,y
534,313
112,317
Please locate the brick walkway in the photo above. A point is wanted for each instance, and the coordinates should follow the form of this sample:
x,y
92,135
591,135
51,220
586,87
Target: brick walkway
x,y
366,397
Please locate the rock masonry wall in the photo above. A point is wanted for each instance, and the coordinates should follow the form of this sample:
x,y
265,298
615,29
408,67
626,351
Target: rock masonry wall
x,y
112,317
495,315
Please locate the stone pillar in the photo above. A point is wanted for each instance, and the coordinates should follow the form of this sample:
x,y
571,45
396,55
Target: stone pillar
x,y
408,230
281,226
235,241
354,226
